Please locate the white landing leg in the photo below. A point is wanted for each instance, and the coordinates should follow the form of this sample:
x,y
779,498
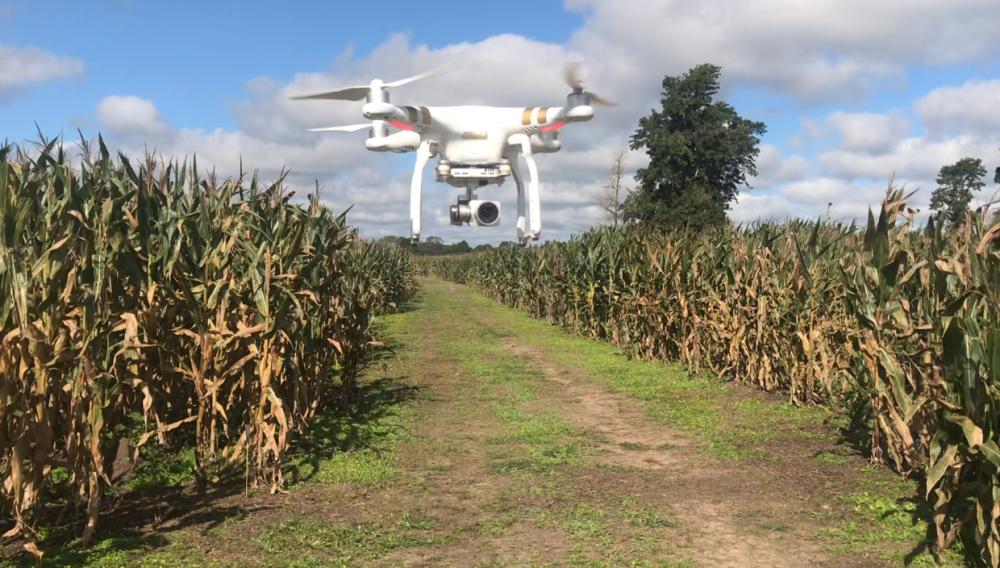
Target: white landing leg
x,y
423,154
522,221
534,194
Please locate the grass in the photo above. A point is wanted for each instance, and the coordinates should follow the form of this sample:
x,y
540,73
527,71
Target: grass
x,y
887,512
831,457
161,469
594,532
355,443
642,517
309,543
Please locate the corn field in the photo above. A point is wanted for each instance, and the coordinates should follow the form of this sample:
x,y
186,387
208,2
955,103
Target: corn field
x,y
898,324
142,303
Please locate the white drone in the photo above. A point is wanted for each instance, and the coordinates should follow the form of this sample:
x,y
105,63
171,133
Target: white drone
x,y
477,145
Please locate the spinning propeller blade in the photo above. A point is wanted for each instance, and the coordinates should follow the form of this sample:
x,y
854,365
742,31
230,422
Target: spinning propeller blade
x,y
359,92
573,75
601,101
348,94
417,77
349,128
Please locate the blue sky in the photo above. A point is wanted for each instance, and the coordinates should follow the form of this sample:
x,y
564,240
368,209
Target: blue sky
x,y
852,91
194,58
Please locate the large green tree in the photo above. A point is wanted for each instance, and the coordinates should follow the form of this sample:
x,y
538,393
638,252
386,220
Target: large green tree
x,y
700,153
956,184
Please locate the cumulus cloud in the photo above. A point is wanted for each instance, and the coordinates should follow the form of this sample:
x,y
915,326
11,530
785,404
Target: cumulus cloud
x,y
825,197
773,167
129,115
911,158
750,207
971,107
817,50
24,66
869,132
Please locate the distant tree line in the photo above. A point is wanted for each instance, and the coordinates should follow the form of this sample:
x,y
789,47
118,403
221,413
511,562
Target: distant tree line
x,y
435,246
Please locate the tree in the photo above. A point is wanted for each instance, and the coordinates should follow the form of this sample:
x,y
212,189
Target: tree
x,y
610,199
956,184
700,154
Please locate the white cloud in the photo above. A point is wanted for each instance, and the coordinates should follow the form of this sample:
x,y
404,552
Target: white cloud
x,y
773,167
971,107
751,207
817,50
22,67
824,191
871,132
816,197
129,115
914,158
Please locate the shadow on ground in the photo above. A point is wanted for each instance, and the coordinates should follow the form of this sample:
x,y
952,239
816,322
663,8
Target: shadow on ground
x,y
348,426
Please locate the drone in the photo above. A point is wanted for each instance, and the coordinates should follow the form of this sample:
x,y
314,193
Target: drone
x,y
476,145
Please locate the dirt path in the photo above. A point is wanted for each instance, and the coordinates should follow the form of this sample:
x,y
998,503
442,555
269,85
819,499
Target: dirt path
x,y
493,440
707,497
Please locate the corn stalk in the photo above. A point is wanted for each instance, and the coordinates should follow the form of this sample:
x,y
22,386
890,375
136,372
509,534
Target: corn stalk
x,y
143,303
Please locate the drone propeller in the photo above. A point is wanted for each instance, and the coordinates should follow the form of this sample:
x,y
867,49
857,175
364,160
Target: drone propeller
x,y
348,94
573,75
358,92
418,76
349,128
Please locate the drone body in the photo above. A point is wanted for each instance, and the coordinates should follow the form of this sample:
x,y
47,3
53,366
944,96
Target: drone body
x,y
476,146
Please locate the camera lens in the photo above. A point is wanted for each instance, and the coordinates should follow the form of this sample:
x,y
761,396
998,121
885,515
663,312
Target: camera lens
x,y
487,213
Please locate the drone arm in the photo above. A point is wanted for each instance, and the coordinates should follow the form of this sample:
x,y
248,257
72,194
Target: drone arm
x,y
552,119
401,117
423,154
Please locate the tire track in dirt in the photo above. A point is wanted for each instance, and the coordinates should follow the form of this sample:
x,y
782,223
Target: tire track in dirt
x,y
702,493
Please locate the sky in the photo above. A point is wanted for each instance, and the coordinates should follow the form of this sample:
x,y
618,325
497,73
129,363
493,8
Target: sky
x,y
853,92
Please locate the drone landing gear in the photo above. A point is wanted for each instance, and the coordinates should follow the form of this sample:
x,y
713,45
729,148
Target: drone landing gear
x,y
424,153
534,219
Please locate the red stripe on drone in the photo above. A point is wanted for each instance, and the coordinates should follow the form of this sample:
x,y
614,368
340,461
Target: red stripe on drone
x,y
401,125
553,127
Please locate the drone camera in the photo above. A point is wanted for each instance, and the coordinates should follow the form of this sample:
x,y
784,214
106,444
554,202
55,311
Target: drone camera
x,y
476,212
485,213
